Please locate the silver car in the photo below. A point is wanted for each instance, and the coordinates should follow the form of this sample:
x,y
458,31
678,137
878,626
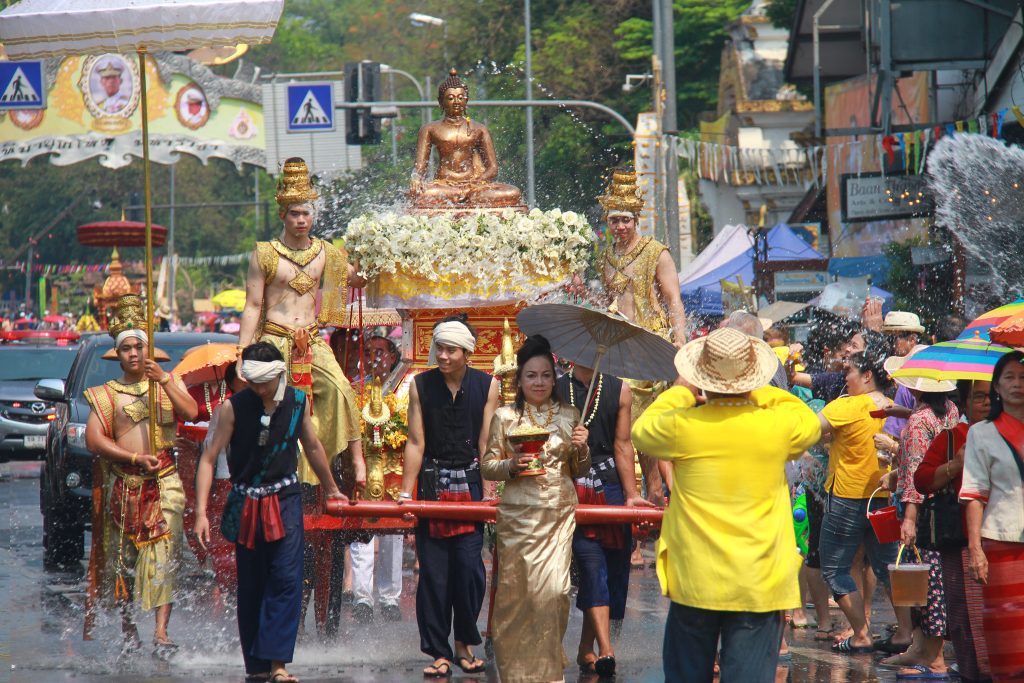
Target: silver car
x,y
24,418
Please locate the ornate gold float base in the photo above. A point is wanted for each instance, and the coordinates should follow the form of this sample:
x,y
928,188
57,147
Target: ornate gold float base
x,y
489,322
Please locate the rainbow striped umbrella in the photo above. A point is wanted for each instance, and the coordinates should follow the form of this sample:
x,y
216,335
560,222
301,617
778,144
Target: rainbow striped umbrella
x,y
979,327
958,359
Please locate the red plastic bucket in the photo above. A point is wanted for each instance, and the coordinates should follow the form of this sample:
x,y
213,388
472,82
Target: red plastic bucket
x,y
884,522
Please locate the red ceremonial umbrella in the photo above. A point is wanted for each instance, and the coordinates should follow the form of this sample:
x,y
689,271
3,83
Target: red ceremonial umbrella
x,y
119,234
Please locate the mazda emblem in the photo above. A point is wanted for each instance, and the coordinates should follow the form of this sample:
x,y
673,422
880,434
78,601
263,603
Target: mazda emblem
x,y
38,407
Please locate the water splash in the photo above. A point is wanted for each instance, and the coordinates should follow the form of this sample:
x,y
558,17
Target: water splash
x,y
978,185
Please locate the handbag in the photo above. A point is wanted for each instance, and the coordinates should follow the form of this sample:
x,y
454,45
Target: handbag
x,y
939,520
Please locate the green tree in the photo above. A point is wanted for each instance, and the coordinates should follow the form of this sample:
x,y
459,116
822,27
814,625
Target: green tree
x,y
782,13
700,34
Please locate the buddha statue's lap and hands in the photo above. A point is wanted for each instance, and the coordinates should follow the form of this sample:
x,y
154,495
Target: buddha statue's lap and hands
x,y
467,164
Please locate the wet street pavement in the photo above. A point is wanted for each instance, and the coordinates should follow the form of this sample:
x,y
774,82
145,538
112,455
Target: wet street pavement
x,y
41,629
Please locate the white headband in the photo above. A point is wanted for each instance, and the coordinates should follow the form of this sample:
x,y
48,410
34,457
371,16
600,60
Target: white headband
x,y
620,212
128,334
451,333
259,371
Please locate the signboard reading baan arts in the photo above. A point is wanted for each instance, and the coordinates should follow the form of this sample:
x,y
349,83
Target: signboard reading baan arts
x,y
869,197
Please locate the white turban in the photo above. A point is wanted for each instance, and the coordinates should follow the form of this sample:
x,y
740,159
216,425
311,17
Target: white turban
x,y
259,371
128,334
451,333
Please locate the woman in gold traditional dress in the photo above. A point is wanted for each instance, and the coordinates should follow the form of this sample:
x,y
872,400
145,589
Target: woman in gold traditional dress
x,y
536,518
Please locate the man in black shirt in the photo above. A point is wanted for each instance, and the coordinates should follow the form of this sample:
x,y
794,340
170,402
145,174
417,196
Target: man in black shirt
x,y
263,426
450,410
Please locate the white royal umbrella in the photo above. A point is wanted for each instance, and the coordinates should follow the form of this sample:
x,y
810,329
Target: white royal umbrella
x,y
601,341
35,29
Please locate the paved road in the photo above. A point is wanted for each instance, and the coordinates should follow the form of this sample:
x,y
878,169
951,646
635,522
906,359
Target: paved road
x,y
41,623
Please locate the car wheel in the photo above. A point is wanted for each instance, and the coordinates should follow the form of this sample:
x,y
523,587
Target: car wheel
x,y
63,539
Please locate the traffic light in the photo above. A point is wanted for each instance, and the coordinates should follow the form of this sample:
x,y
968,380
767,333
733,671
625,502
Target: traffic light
x,y
362,84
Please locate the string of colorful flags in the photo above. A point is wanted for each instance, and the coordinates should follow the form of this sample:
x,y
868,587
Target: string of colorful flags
x,y
130,266
903,153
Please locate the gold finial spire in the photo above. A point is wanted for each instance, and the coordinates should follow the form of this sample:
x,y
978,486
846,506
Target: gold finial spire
x,y
376,398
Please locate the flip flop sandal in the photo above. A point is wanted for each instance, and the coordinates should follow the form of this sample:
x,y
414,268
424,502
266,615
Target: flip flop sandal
x,y
847,647
805,626
605,666
282,677
472,668
923,674
823,635
440,670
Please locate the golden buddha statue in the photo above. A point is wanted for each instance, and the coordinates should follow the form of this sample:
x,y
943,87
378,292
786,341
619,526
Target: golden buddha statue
x,y
467,165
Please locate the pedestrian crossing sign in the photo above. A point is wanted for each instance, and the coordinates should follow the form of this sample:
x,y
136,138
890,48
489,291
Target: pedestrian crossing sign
x,y
21,85
310,107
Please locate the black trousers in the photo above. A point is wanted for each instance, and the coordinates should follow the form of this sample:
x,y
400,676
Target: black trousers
x,y
270,592
451,590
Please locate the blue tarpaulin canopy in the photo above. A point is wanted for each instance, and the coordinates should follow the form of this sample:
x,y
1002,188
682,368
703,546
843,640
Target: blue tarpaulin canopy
x,y
702,291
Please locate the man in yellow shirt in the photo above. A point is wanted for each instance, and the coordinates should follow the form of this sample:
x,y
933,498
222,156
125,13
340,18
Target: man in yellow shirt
x,y
727,556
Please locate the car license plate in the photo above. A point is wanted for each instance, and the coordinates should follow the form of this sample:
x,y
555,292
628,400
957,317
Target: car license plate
x,y
35,441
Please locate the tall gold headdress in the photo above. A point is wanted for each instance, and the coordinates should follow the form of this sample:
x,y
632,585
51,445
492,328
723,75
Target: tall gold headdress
x,y
130,314
622,194
294,187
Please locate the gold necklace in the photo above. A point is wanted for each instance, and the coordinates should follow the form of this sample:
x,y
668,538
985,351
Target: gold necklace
x,y
300,257
139,388
536,419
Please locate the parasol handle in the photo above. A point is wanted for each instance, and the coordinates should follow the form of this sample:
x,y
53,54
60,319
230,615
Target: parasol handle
x,y
601,350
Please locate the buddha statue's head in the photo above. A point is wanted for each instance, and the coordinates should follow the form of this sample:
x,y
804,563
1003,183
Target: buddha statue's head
x,y
453,95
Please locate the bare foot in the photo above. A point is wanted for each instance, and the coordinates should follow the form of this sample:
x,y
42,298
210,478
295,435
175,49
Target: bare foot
x,y
843,635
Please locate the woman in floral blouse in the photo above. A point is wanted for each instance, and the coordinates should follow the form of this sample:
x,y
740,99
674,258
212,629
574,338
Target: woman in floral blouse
x,y
933,413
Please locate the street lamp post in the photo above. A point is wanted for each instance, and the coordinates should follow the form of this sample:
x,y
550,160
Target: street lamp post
x,y
531,178
420,19
670,126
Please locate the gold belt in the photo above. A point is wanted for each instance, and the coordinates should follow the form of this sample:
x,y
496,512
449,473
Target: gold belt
x,y
134,481
278,330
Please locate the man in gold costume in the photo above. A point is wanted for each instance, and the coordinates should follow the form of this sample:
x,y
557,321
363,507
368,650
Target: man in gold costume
x,y
638,272
138,497
467,165
280,307
641,281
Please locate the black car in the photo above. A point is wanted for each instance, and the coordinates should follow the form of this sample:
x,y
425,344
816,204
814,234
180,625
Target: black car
x,y
65,488
24,418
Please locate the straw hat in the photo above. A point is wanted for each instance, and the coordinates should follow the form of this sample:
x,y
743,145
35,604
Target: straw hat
x,y
922,384
901,321
727,362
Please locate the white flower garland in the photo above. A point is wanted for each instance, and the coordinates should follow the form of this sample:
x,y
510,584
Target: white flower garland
x,y
506,248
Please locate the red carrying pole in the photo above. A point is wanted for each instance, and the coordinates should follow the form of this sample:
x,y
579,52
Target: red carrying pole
x,y
486,512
